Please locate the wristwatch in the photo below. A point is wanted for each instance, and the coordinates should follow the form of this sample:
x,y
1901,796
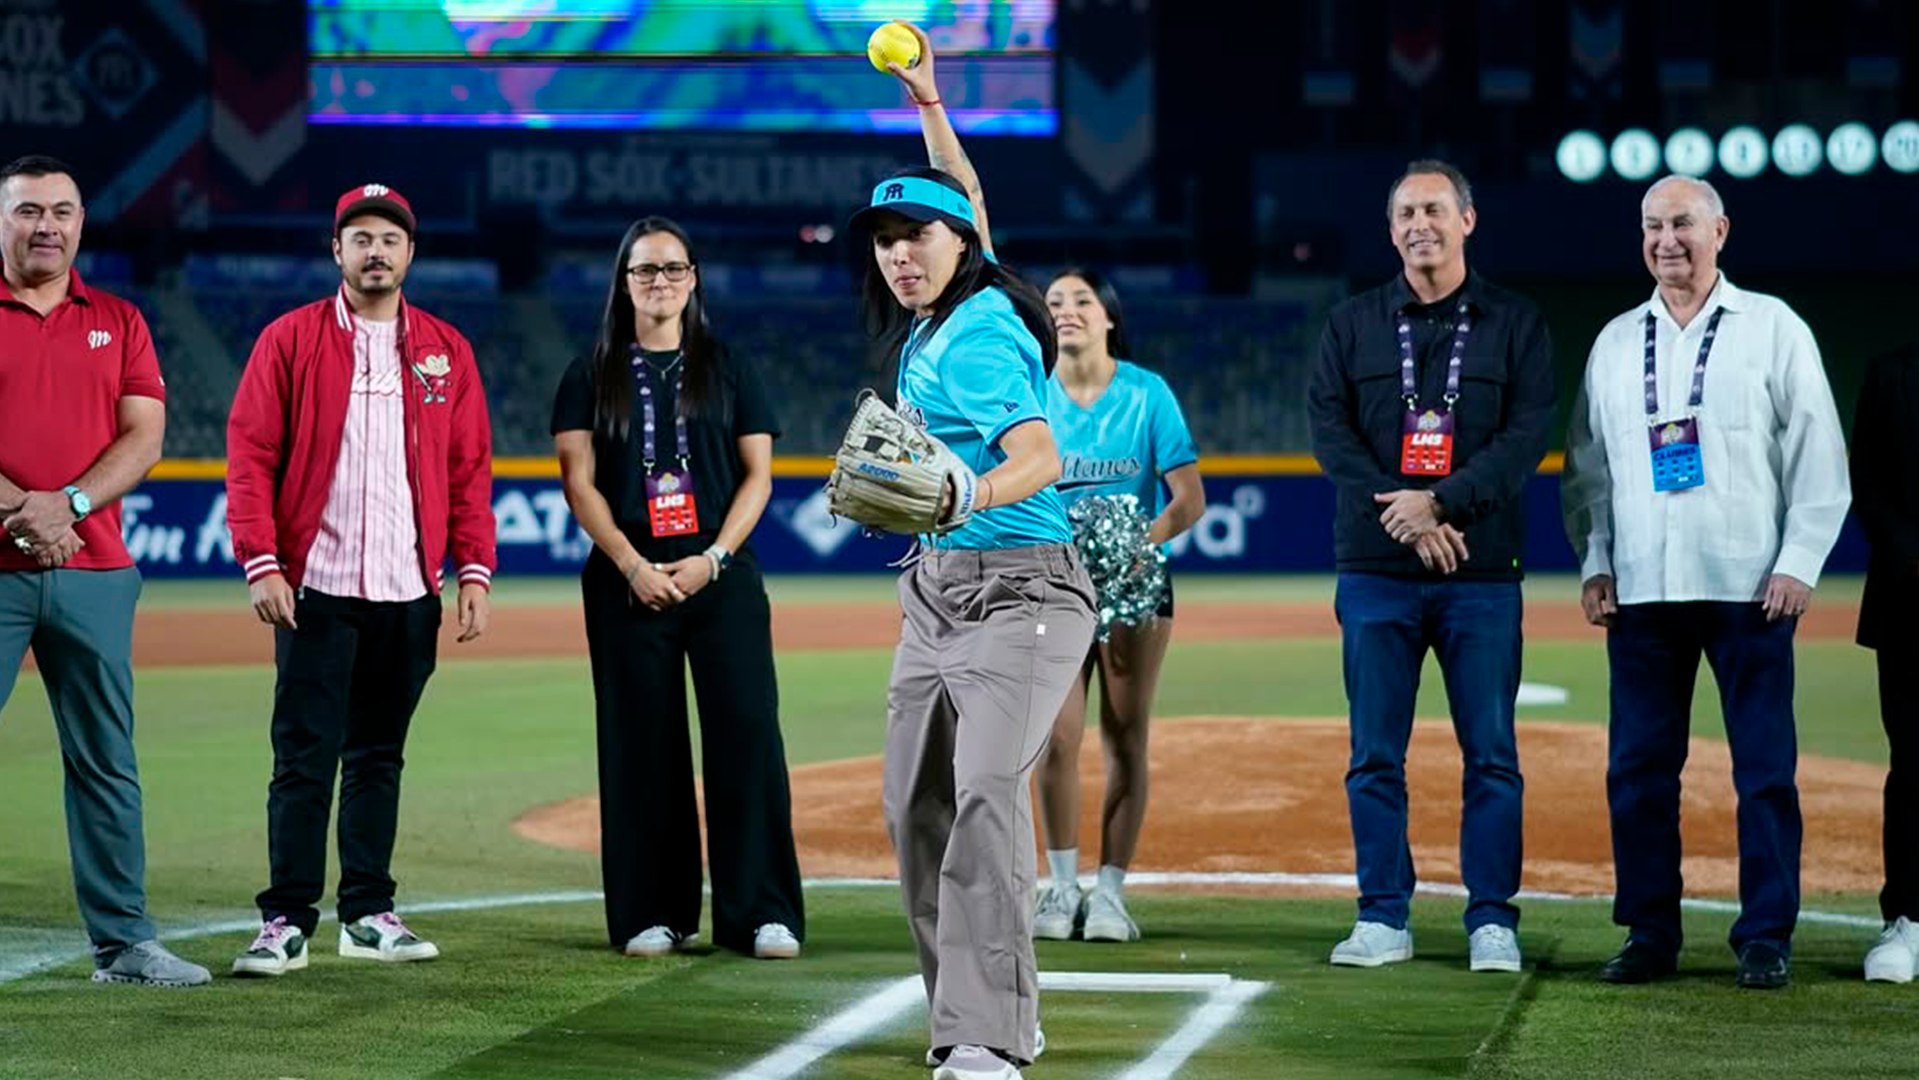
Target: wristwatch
x,y
79,502
721,557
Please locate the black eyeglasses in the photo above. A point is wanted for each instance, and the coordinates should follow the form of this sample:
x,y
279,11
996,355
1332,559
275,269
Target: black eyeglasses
x,y
674,271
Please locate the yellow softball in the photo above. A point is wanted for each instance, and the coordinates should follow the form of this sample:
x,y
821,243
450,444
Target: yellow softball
x,y
892,43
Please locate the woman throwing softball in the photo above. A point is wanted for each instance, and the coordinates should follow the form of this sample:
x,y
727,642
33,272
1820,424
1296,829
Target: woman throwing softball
x,y
1120,432
997,613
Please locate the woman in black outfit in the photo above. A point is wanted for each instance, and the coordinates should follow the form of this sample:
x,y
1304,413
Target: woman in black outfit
x,y
666,446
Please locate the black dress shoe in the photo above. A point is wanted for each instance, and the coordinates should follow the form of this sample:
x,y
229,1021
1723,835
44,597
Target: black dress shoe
x,y
1763,966
1638,962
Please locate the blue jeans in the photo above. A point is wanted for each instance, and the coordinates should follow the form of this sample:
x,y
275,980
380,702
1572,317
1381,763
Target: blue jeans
x,y
1654,651
1386,626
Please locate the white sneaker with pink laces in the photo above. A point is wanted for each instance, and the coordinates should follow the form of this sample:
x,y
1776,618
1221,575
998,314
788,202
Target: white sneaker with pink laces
x,y
279,947
384,937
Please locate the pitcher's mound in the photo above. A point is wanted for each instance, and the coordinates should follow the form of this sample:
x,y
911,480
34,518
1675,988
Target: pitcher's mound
x,y
1230,793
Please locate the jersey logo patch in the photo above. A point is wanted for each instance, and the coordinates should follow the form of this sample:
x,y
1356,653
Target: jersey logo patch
x,y
99,339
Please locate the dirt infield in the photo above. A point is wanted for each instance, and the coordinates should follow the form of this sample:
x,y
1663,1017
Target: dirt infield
x,y
237,637
1231,794
1228,793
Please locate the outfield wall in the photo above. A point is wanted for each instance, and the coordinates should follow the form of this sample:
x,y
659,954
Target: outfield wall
x,y
1264,514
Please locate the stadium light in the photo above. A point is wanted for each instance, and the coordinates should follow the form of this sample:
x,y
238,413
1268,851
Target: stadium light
x,y
1582,157
1742,152
1797,150
1635,154
1852,149
1689,152
1901,147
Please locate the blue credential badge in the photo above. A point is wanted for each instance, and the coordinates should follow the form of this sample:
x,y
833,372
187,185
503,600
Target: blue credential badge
x,y
1677,463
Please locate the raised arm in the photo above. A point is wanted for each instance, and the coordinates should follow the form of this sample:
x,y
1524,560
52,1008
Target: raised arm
x,y
942,142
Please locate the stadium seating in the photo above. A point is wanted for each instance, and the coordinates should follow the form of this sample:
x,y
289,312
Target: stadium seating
x,y
1238,366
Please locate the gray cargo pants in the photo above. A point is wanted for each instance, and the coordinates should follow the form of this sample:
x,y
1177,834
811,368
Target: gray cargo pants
x,y
989,645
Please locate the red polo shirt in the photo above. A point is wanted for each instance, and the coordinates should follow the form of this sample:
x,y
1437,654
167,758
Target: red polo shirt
x,y
62,376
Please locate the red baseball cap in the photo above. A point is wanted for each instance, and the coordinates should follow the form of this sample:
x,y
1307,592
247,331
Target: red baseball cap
x,y
374,199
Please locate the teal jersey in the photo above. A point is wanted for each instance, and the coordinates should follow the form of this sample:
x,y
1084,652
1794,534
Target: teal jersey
x,y
974,380
1124,443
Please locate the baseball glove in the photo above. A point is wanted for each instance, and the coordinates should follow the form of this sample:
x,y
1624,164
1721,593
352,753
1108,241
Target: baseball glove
x,y
892,476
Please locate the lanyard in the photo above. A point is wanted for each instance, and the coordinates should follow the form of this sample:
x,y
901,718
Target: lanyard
x,y
647,421
1698,369
1408,382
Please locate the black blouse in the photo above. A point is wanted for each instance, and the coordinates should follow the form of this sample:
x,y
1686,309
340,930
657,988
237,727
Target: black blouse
x,y
712,436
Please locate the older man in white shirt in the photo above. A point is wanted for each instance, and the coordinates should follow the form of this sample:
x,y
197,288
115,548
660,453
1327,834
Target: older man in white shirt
x,y
1705,484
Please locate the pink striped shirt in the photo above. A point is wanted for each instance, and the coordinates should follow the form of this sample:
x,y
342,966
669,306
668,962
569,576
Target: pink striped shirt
x,y
369,544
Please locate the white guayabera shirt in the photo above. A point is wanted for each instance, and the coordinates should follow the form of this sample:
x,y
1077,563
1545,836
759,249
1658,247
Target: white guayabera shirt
x,y
1776,488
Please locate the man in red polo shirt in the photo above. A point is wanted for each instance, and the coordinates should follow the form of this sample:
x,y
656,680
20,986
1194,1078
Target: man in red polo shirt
x,y
359,455
82,411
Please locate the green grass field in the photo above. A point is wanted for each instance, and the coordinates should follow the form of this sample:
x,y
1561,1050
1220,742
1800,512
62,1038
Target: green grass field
x,y
527,988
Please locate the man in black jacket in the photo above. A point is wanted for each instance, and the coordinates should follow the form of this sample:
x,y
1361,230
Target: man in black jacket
x,y
1431,405
1885,495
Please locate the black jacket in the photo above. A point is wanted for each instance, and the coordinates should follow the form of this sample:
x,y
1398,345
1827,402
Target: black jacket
x,y
1501,421
1885,496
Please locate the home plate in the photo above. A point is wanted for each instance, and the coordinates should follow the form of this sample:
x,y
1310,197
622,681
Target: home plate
x,y
1532,693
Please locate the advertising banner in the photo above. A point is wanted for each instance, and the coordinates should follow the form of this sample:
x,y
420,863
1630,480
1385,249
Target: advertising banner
x,y
1252,524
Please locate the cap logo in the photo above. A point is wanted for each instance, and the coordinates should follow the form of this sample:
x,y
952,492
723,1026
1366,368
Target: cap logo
x,y
894,191
376,191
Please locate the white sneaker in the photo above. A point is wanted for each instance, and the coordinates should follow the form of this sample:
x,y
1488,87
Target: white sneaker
x,y
1372,944
1891,959
933,1058
384,937
975,1063
1057,916
276,950
775,942
1494,948
1106,918
658,941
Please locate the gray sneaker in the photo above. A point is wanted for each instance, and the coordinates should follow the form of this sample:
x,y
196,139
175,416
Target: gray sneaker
x,y
150,964
1057,915
1494,948
1106,918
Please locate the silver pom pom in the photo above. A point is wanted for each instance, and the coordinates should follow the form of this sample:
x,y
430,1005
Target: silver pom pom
x,y
1128,573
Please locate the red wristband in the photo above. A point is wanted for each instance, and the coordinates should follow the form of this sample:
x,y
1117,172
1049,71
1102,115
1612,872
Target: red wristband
x,y
926,104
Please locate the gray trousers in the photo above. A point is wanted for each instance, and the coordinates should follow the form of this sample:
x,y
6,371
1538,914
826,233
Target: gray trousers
x,y
989,646
80,626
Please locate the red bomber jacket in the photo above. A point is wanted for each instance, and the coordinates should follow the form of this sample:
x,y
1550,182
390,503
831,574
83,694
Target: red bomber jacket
x,y
283,442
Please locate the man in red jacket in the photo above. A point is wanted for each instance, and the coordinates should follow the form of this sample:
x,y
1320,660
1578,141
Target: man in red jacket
x,y
358,452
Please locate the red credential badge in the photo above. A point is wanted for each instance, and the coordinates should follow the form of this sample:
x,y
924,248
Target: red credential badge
x,y
669,503
1426,443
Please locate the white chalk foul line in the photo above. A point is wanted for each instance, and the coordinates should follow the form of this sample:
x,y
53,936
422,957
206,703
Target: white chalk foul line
x,y
848,1026
881,1008
14,968
1127,982
1207,1021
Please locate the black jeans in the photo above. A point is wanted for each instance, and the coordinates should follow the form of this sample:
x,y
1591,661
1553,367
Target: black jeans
x,y
649,820
1899,711
349,679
